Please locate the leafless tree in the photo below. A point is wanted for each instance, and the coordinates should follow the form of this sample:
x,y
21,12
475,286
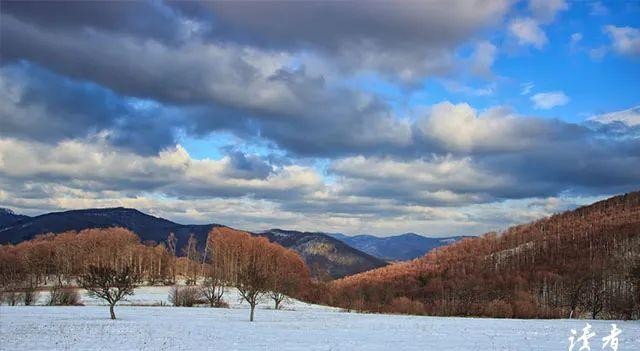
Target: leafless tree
x,y
213,290
109,284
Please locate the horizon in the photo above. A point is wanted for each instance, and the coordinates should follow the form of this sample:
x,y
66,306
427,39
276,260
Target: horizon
x,y
432,117
435,236
259,230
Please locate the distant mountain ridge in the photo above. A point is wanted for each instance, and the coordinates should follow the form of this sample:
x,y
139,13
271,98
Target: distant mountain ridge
x,y
401,247
147,227
8,217
323,254
323,250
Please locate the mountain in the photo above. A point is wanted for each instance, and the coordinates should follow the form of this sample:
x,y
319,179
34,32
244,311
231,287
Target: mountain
x,y
323,254
8,217
147,227
580,263
395,248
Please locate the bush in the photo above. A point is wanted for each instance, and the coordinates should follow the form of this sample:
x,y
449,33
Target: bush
x,y
63,296
498,309
185,296
405,305
30,296
11,298
525,305
221,304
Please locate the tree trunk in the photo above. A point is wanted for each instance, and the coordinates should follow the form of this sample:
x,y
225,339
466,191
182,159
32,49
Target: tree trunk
x,y
113,314
253,307
277,304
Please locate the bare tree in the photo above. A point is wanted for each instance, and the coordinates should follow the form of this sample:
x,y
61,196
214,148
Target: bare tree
x,y
253,280
30,291
288,275
213,290
109,284
193,256
171,243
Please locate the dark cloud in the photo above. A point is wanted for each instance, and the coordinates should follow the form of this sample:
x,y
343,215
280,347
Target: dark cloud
x,y
248,166
43,106
403,40
145,19
233,88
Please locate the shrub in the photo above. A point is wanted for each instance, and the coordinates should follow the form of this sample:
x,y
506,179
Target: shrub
x,y
525,305
11,298
221,304
30,296
405,305
63,296
185,296
498,309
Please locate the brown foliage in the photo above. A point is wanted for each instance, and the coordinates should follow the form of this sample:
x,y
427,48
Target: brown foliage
x,y
254,266
580,263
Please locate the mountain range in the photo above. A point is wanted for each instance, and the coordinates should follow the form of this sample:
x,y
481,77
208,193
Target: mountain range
x,y
324,254
330,255
401,247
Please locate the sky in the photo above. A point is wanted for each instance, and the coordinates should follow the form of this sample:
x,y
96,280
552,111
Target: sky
x,y
435,117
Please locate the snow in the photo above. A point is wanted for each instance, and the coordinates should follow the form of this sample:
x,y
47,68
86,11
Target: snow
x,y
159,296
300,327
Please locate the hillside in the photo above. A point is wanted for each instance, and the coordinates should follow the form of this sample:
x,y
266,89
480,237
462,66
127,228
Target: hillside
x,y
8,217
321,251
584,262
395,248
146,226
323,254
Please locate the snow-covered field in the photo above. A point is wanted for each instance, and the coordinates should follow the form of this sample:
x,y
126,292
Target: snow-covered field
x,y
300,327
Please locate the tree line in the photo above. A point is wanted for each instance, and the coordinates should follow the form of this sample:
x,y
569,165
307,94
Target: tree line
x,y
583,263
110,263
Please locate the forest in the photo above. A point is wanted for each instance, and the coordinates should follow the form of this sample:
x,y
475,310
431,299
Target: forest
x,y
582,263
111,262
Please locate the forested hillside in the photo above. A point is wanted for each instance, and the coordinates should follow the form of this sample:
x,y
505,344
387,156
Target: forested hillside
x,y
327,257
583,263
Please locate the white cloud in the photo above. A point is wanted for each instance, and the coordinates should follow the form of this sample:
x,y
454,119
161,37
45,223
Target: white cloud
x,y
630,117
598,53
460,127
598,9
528,32
546,10
625,40
96,165
483,57
575,39
35,178
549,100
444,179
456,87
526,88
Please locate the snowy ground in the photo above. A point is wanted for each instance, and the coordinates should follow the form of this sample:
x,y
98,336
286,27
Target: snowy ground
x,y
300,327
159,296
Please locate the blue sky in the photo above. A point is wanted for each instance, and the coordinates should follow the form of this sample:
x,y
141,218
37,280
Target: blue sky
x,y
439,118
